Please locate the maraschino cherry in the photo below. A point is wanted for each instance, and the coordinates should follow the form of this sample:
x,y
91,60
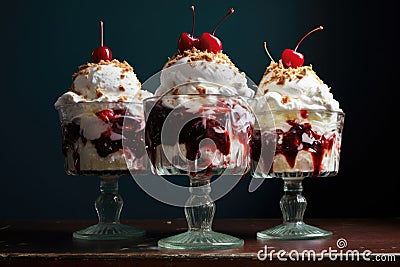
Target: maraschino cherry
x,y
106,115
187,41
208,41
102,52
292,58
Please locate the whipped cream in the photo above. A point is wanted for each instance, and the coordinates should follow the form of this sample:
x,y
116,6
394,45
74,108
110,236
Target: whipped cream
x,y
106,81
198,72
295,89
290,90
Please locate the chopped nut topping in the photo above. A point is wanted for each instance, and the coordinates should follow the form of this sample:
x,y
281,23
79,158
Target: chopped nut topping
x,y
176,91
99,93
85,68
197,55
285,99
201,90
280,74
122,99
139,96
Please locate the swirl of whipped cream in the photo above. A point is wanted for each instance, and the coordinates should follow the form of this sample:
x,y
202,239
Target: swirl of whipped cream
x,y
198,72
106,81
295,89
284,92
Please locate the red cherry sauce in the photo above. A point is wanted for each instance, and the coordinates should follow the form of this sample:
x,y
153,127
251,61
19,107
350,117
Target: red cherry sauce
x,y
190,131
104,145
198,129
300,137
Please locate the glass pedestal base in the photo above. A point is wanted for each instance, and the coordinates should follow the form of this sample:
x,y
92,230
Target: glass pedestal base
x,y
108,206
201,240
293,231
293,204
108,231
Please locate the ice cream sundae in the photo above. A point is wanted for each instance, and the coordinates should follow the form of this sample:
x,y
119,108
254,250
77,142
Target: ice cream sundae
x,y
194,80
199,125
93,112
298,116
102,125
297,135
100,100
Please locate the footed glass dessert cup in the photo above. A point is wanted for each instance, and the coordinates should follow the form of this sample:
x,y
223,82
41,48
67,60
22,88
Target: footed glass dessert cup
x,y
93,145
200,137
293,145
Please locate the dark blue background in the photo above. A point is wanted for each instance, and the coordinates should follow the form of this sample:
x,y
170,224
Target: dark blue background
x,y
43,43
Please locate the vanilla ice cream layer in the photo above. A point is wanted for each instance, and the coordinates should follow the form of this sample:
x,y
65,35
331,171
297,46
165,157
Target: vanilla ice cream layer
x,y
176,156
90,160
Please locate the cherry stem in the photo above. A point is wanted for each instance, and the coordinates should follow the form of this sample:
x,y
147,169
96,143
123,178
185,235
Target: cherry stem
x,y
193,14
101,33
310,32
230,12
266,50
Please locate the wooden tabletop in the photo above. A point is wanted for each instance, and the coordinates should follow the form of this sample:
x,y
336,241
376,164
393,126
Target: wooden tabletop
x,y
50,243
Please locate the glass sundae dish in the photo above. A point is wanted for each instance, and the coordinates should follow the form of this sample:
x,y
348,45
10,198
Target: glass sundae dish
x,y
200,137
93,145
298,133
304,143
102,125
199,125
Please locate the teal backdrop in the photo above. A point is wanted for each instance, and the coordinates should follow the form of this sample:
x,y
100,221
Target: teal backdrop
x,y
44,42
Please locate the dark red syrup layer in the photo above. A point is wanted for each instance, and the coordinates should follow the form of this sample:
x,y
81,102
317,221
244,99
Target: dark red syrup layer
x,y
300,137
104,144
190,130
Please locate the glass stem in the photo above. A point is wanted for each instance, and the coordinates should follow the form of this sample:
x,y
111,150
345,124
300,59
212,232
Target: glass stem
x,y
293,203
200,208
109,203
